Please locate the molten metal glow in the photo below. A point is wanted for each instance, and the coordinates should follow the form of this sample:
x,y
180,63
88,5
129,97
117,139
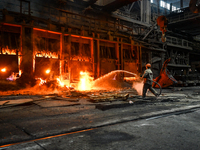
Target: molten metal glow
x,y
12,77
19,60
85,82
130,78
48,71
41,81
3,70
46,54
60,82
20,73
82,73
8,51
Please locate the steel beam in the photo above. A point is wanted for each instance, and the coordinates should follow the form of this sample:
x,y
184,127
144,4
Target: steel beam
x,y
110,7
130,20
149,31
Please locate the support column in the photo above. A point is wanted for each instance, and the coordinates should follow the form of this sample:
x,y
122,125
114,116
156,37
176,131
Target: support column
x,y
94,56
150,57
93,53
34,53
139,48
181,3
69,57
117,53
145,9
27,50
122,55
170,7
98,58
20,57
61,54
162,58
158,7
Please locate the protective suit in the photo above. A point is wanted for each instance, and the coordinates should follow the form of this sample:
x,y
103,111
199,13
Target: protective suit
x,y
148,77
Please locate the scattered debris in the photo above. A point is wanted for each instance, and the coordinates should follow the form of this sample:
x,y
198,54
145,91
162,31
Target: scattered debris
x,y
77,94
70,99
130,102
108,97
9,103
55,103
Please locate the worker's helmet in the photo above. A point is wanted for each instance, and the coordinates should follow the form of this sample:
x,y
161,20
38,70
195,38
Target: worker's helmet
x,y
148,65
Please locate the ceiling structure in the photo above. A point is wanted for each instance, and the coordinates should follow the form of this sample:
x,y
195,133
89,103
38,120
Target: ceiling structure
x,y
181,20
184,22
105,5
114,5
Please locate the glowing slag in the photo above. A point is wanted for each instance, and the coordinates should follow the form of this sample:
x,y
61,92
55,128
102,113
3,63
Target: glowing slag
x,y
85,82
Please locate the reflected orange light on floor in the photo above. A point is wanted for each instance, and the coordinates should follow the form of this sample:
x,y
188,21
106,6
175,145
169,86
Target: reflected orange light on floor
x,y
85,82
3,70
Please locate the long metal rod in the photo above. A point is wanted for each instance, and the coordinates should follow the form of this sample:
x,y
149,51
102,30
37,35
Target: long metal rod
x,y
149,31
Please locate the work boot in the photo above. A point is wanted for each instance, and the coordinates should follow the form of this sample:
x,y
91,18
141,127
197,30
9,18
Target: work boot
x,y
157,95
145,98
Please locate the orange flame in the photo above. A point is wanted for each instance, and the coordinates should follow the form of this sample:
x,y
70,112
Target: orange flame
x,y
46,54
130,78
41,81
60,82
85,82
8,51
3,70
20,72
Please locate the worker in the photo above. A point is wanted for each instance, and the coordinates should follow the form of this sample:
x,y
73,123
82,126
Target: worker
x,y
148,80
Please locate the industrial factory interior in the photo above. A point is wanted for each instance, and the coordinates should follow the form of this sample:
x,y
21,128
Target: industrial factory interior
x,y
90,53
62,38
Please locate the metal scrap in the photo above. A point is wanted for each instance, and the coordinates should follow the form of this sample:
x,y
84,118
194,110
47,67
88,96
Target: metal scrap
x,y
108,97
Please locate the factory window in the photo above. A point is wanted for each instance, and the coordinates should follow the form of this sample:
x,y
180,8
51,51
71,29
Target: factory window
x,y
86,50
10,40
107,52
53,45
165,5
129,54
75,48
174,8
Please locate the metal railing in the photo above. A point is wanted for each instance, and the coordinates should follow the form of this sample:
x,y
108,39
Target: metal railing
x,y
179,42
184,15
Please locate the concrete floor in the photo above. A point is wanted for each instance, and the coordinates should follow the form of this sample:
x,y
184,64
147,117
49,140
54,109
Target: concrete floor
x,y
30,117
174,132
